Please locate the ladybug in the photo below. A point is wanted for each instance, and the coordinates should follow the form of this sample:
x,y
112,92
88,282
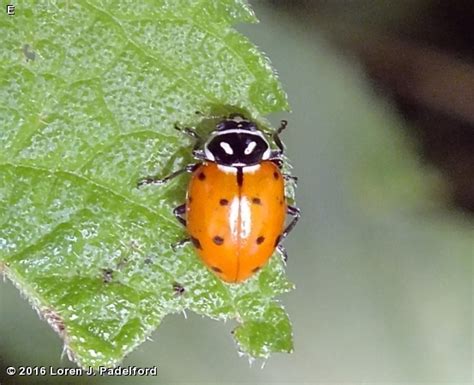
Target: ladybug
x,y
235,208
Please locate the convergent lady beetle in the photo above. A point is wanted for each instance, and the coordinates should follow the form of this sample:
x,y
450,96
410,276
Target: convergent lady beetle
x,y
235,206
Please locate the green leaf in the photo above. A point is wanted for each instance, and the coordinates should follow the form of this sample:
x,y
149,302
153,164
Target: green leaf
x,y
90,92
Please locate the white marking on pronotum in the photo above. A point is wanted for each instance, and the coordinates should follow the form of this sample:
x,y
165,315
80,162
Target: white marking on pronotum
x,y
239,131
266,154
226,147
250,147
250,169
227,169
209,155
233,169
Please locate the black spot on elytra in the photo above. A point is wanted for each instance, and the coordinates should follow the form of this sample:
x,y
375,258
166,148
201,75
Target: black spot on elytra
x,y
256,269
260,240
223,202
218,240
256,201
196,243
275,175
202,176
190,199
281,201
277,240
216,269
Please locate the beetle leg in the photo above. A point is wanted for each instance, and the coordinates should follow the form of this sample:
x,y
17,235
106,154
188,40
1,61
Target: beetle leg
x,y
276,160
276,138
153,180
293,178
188,131
197,152
178,245
295,212
178,212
